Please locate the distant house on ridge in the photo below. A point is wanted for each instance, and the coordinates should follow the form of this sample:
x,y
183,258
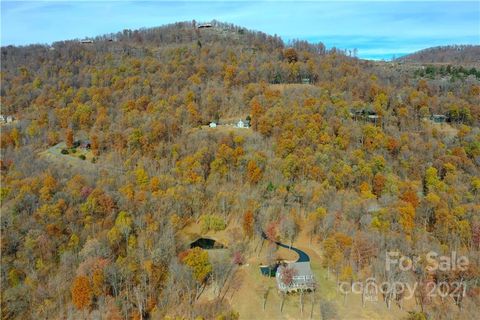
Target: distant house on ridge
x,y
306,80
204,25
6,119
438,118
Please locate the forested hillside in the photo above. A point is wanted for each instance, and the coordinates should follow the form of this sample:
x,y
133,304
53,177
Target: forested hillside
x,y
109,158
461,54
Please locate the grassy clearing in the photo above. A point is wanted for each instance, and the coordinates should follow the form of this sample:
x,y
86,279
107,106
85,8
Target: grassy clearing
x,y
73,158
287,86
227,129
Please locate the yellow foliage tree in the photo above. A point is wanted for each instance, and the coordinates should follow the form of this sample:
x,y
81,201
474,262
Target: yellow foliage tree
x,y
254,173
407,218
197,260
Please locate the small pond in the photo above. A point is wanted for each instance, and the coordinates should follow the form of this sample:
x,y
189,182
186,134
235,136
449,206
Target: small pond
x,y
270,270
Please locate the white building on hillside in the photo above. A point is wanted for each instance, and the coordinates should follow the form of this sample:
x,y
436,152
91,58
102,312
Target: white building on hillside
x,y
302,278
213,125
6,119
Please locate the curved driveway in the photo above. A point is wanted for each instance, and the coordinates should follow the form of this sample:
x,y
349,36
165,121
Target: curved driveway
x,y
302,256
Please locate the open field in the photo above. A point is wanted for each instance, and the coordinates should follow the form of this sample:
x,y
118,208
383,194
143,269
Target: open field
x,y
286,86
72,160
54,154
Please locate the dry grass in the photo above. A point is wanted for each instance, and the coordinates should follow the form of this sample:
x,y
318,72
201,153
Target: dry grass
x,y
288,86
443,128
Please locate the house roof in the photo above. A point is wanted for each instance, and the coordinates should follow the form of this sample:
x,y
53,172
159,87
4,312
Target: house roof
x,y
303,278
302,268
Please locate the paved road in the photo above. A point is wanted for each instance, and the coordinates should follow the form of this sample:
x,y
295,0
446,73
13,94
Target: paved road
x,y
302,256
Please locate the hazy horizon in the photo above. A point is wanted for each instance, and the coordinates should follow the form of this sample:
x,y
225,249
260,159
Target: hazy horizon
x,y
378,29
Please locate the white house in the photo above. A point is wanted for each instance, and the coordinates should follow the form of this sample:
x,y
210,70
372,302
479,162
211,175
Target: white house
x,y
204,25
302,280
9,119
241,124
438,118
213,125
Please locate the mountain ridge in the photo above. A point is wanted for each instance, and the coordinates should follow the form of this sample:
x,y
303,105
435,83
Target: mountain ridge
x,y
455,54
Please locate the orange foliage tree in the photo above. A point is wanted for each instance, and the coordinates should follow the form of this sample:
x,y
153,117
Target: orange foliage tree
x,y
81,292
69,138
248,223
254,173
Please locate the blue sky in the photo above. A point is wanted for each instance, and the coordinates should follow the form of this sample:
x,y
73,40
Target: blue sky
x,y
378,29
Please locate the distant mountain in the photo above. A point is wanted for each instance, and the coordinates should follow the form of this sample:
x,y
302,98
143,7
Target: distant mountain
x,y
457,54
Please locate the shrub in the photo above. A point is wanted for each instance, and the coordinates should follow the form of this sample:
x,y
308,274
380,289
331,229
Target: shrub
x,y
238,258
82,157
416,315
212,222
73,150
328,310
64,151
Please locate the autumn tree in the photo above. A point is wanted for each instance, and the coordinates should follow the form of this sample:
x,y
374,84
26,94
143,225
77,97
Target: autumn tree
x,y
378,184
95,145
194,116
49,186
81,292
247,223
122,228
197,260
69,138
256,111
271,231
286,275
407,218
315,220
254,173
409,194
289,228
336,250
291,55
